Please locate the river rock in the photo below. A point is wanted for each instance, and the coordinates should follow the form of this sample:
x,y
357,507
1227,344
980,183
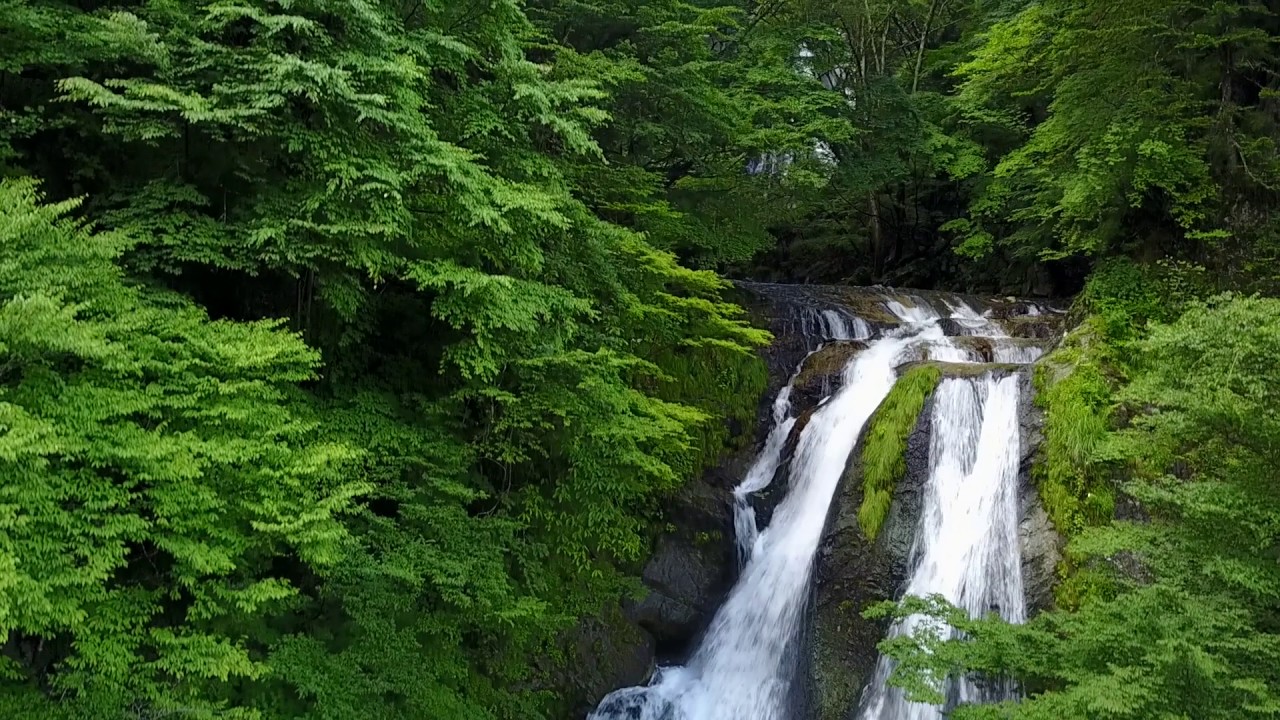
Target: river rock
x,y
690,569
608,652
822,373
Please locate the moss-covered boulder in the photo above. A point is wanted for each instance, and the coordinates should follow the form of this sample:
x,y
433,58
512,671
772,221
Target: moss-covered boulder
x,y
884,449
602,653
1040,542
693,564
1038,327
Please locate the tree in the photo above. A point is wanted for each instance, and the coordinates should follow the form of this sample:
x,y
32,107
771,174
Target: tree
x,y
158,467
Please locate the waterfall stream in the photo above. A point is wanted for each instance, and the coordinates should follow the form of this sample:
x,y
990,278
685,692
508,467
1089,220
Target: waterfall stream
x,y
744,667
966,547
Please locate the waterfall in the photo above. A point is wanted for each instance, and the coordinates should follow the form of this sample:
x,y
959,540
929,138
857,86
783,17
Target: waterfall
x,y
744,667
966,547
739,672
761,474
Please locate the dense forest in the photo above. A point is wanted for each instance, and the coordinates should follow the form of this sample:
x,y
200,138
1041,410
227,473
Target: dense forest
x,y
349,348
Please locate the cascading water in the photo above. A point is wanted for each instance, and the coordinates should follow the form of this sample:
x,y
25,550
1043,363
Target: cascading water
x,y
743,668
817,328
738,672
966,547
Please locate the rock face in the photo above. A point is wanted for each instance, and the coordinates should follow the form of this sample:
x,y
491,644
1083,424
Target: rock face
x,y
852,574
612,653
1041,543
693,567
822,373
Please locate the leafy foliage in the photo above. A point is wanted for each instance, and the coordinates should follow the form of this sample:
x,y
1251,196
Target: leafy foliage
x,y
443,398
157,465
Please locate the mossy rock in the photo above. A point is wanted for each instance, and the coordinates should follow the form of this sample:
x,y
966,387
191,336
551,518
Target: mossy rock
x,y
870,305
1036,327
884,448
962,370
854,572
822,372
829,361
600,653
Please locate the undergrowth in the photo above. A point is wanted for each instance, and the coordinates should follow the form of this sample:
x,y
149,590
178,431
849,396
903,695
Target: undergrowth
x,y
884,452
1076,386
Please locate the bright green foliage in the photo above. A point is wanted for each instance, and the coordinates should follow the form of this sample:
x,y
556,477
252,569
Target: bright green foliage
x,y
156,464
411,187
1123,296
1138,126
697,92
884,449
1190,628
1074,389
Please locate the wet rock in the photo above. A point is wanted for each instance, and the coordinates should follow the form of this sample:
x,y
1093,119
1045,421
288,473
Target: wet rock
x,y
609,652
1041,553
690,569
852,574
766,501
1041,544
1038,327
963,370
822,373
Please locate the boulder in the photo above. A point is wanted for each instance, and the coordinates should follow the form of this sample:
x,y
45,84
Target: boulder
x,y
822,373
1038,327
962,370
690,569
608,652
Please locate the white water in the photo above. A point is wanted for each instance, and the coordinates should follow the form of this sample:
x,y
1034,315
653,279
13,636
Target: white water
x,y
845,327
830,325
761,474
966,547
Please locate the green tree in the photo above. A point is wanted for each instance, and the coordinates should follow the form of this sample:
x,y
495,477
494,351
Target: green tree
x,y
1146,128
158,467
403,183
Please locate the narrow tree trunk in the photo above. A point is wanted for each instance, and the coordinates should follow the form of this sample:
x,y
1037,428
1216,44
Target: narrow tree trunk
x,y
877,239
924,38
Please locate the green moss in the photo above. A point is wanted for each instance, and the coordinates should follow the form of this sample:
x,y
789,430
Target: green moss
x,y
724,383
1074,386
962,369
712,537
1075,391
884,451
